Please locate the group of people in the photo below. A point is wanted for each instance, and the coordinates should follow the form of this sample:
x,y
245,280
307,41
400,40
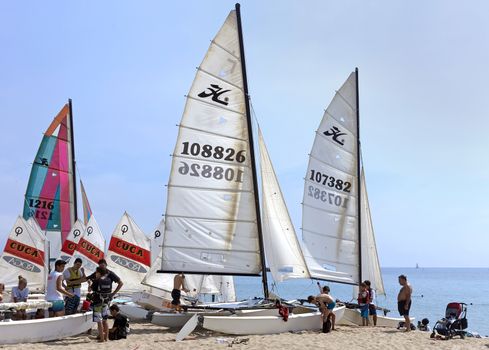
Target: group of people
x,y
366,301
63,291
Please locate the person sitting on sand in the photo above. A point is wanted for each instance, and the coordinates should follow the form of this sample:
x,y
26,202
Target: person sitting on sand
x,y
363,303
404,301
372,309
20,294
119,328
178,286
330,306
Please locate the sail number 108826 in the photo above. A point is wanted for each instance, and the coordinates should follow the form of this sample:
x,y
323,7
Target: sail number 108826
x,y
218,152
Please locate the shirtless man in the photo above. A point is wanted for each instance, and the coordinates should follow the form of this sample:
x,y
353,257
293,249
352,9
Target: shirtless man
x,y
178,286
404,301
325,303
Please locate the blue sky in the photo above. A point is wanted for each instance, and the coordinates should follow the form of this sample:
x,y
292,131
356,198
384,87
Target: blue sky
x,y
127,66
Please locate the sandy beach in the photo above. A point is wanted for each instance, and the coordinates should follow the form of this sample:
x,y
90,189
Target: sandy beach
x,y
147,336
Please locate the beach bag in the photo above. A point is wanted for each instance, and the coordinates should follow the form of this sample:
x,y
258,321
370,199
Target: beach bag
x,y
327,325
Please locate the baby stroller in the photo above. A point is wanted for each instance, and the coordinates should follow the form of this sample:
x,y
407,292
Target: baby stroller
x,y
453,324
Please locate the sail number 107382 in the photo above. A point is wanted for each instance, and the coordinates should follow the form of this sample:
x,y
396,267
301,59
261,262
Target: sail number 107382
x,y
327,197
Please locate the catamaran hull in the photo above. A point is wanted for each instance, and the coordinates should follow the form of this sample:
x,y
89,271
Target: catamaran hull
x,y
267,324
133,311
352,317
46,329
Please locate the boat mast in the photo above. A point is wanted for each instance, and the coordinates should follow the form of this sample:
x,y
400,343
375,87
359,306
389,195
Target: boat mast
x,y
358,182
252,155
73,162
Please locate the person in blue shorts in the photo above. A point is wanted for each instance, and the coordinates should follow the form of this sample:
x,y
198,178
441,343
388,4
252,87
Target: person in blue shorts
x,y
372,309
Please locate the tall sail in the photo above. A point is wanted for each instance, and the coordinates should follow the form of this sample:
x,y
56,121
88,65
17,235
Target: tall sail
x,y
129,253
330,214
283,252
87,211
24,255
211,218
51,194
91,246
370,259
70,243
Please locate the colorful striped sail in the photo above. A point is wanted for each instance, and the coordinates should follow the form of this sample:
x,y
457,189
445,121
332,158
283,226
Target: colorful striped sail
x,y
51,194
87,211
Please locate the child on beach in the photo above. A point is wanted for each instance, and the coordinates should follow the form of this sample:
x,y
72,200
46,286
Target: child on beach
x,y
363,300
119,329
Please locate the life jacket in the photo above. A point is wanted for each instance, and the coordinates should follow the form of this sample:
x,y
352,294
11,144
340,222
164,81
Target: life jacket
x,y
362,299
74,275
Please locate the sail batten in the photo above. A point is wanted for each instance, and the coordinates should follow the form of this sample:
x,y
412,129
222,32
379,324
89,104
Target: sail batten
x,y
210,133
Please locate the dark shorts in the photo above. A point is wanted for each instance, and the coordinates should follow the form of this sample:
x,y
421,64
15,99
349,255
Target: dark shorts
x,y
71,305
175,294
372,310
401,308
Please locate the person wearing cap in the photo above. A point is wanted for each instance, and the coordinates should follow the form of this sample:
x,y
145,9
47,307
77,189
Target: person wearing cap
x,y
55,290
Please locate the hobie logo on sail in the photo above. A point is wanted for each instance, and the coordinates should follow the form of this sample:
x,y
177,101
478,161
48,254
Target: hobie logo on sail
x,y
335,133
89,250
21,264
24,251
215,91
128,264
130,251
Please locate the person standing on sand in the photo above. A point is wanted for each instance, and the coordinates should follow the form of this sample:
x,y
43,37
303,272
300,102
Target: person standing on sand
x,y
372,309
404,301
363,300
55,290
178,286
71,274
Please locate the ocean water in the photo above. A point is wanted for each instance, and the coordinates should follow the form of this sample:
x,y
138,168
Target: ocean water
x,y
433,289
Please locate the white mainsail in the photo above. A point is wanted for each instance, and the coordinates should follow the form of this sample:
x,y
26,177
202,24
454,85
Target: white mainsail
x,y
370,259
211,220
91,247
330,215
129,254
24,255
282,249
71,241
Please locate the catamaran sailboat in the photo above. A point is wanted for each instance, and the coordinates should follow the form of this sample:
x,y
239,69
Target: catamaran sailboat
x,y
50,200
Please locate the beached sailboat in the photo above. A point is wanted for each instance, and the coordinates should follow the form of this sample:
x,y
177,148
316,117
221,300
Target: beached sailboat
x,y
337,228
213,222
50,208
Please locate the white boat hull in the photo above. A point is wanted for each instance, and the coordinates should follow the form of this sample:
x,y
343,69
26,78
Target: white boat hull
x,y
133,311
46,329
247,325
352,317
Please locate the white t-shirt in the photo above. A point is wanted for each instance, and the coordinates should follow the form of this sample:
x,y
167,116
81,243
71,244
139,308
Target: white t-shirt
x,y
21,295
51,291
372,296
